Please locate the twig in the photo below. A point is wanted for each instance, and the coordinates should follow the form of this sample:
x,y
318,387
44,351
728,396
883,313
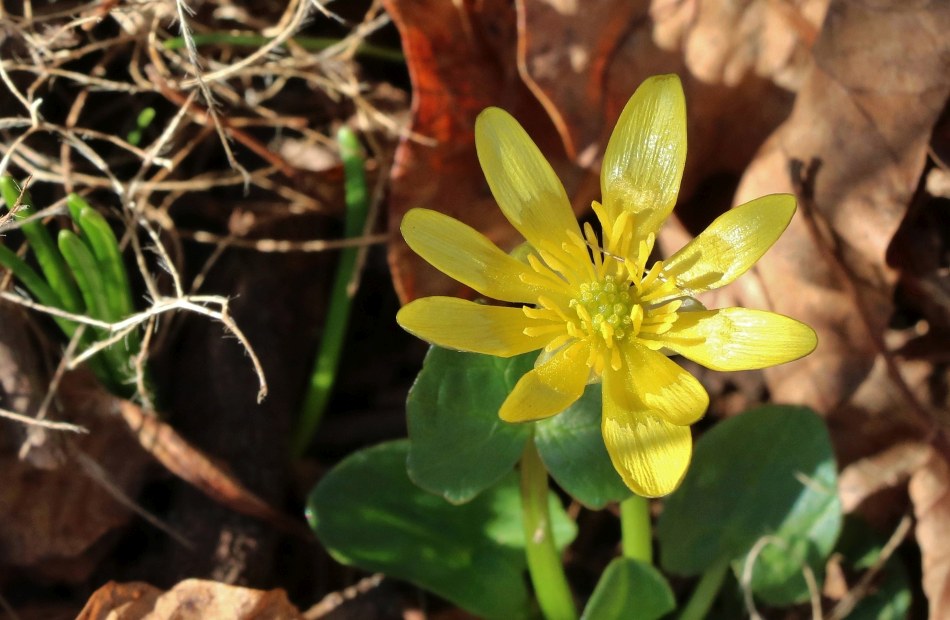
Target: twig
x,y
283,245
55,426
746,578
102,478
860,590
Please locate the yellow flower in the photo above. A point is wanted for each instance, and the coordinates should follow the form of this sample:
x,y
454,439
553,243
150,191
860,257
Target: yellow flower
x,y
592,304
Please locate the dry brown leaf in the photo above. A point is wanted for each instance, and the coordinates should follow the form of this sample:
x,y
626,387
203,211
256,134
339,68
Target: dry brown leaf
x,y
54,513
723,42
867,119
860,484
930,494
191,599
584,60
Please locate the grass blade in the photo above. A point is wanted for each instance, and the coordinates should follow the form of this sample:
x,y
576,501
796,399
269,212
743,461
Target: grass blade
x,y
323,375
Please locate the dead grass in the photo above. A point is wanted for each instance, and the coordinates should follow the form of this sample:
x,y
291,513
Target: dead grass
x,y
224,98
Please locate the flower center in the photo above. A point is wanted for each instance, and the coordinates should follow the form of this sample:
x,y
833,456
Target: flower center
x,y
607,309
602,292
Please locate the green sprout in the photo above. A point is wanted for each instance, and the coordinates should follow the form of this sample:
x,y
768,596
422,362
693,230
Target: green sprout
x,y
82,273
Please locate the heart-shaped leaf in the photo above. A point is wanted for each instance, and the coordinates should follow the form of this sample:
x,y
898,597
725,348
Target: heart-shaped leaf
x,y
458,445
767,477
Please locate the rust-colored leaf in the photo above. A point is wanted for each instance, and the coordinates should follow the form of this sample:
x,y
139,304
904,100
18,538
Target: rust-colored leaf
x,y
461,59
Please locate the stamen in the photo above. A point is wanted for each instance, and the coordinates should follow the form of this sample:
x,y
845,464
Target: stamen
x,y
652,275
615,362
543,330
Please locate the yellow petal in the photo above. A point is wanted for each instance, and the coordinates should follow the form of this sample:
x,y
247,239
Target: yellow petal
x,y
644,160
463,253
550,388
521,180
739,338
653,380
731,244
650,454
467,326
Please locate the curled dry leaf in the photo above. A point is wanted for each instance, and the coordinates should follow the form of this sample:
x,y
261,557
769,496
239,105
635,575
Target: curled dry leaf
x,y
190,599
930,494
196,468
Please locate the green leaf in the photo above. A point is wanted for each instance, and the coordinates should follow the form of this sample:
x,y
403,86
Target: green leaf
x,y
87,273
367,513
101,240
890,597
630,589
44,249
572,448
768,475
458,446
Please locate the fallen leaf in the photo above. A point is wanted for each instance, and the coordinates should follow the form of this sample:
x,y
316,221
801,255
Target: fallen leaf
x,y
54,517
460,60
930,493
723,42
565,70
189,599
867,119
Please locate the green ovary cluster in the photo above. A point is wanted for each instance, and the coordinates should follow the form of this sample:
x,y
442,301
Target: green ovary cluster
x,y
607,309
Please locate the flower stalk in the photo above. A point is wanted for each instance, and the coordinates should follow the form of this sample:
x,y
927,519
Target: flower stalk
x,y
544,562
635,531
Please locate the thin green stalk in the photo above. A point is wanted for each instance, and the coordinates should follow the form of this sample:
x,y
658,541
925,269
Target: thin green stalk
x,y
325,367
544,561
311,44
706,590
635,529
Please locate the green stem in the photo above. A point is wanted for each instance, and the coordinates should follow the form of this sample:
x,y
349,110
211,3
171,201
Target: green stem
x,y
323,375
706,590
635,529
544,561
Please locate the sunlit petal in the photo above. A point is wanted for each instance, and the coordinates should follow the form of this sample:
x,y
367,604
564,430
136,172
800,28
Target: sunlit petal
x,y
739,339
643,164
653,380
731,244
467,326
550,388
465,254
521,180
650,454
